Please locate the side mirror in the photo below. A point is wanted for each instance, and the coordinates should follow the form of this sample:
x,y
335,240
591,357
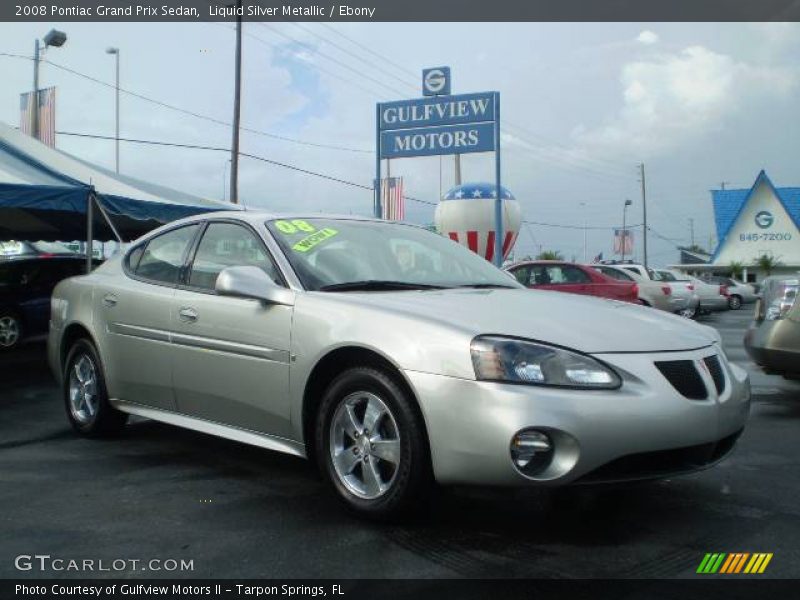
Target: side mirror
x,y
252,282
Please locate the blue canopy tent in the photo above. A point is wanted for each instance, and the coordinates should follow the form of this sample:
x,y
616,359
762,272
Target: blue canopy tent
x,y
46,194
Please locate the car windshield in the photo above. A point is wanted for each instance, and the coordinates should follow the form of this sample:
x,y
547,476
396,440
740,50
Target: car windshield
x,y
343,254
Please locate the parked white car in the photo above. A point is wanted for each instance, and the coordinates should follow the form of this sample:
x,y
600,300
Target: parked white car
x,y
654,293
739,293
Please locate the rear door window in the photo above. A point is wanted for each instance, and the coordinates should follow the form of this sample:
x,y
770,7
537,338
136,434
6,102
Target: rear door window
x,y
165,254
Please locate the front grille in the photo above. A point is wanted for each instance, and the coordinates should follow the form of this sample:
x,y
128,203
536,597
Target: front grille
x,y
715,368
684,377
662,462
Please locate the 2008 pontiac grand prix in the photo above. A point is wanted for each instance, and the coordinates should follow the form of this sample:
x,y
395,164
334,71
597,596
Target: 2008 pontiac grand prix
x,y
391,355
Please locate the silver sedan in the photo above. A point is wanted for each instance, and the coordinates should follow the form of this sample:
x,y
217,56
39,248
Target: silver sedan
x,y
391,356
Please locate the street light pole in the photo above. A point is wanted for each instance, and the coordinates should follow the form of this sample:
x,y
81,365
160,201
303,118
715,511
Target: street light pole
x,y
53,38
115,52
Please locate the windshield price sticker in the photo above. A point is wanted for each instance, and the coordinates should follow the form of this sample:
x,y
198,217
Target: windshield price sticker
x,y
307,243
293,226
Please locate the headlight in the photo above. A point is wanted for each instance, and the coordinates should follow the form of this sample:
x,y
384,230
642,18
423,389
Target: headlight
x,y
517,361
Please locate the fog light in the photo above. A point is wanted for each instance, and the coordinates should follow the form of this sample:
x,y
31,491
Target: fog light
x,y
531,451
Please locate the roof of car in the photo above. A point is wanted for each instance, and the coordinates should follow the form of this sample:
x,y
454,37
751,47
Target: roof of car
x,y
257,217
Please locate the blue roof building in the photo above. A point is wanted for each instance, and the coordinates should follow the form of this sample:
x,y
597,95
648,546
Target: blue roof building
x,y
756,221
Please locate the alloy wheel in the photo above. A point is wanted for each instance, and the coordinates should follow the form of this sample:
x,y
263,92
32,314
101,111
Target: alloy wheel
x,y
734,302
365,445
83,397
9,331
688,313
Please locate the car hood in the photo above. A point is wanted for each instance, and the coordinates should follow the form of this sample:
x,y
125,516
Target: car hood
x,y
589,324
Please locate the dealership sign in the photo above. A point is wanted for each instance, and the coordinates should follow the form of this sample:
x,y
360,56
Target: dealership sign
x,y
438,124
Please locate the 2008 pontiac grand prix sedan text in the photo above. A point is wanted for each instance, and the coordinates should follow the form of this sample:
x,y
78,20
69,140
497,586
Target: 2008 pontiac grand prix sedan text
x,y
392,356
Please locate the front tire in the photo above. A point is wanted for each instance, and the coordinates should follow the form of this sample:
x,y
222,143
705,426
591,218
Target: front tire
x,y
371,444
85,395
735,302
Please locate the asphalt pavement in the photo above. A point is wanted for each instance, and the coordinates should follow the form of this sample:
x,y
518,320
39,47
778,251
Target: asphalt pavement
x,y
237,511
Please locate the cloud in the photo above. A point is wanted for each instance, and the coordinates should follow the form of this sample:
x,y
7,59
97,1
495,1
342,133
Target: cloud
x,y
647,37
670,99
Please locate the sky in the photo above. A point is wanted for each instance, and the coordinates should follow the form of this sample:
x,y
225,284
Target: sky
x,y
582,106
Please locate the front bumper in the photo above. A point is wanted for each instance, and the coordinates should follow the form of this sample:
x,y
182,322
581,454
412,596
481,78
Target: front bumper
x,y
471,423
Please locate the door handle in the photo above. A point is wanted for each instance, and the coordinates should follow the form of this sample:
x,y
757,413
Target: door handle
x,y
187,315
110,300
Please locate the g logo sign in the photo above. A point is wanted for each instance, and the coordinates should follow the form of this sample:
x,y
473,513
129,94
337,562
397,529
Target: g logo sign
x,y
764,219
436,81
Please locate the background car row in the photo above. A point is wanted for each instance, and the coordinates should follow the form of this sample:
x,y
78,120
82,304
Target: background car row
x,y
662,289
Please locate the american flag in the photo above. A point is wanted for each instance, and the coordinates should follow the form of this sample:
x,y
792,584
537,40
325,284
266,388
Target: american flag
x,y
47,115
393,207
621,247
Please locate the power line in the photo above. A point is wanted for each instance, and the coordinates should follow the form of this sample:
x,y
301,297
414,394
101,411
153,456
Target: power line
x,y
336,61
219,149
190,112
345,50
252,156
368,49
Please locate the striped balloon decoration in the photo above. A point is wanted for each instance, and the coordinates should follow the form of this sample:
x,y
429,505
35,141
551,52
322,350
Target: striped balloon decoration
x,y
466,215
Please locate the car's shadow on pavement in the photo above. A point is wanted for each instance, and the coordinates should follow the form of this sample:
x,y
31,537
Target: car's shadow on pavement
x,y
468,531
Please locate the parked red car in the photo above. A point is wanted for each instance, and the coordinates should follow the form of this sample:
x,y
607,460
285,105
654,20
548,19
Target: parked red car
x,y
572,278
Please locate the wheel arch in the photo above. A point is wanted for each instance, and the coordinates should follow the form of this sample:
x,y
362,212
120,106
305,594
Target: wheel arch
x,y
329,366
72,333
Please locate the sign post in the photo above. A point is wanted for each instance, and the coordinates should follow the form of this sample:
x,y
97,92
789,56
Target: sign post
x,y
438,125
498,200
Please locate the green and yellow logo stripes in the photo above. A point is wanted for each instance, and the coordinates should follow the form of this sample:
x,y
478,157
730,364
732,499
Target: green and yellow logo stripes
x,y
734,562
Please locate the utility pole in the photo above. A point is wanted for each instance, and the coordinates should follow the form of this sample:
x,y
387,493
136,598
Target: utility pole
x,y
458,168
237,107
723,184
691,230
35,98
644,213
115,52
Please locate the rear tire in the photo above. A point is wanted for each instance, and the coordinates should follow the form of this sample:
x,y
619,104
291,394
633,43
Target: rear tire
x,y
371,445
735,302
85,395
10,329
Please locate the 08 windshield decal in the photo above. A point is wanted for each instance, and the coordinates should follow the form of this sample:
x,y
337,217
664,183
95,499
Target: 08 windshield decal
x,y
316,237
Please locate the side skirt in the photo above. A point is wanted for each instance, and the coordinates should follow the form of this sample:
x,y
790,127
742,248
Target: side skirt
x,y
229,432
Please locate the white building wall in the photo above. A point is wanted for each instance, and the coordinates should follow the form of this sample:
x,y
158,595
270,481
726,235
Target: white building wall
x,y
746,241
